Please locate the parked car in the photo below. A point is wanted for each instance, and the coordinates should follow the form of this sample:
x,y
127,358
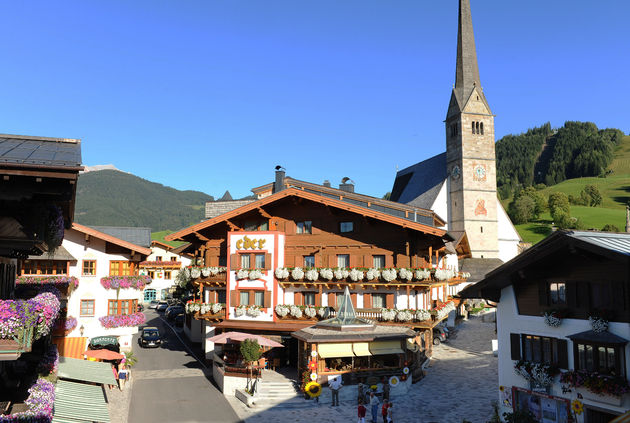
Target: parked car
x,y
439,335
173,311
150,337
162,306
179,320
153,304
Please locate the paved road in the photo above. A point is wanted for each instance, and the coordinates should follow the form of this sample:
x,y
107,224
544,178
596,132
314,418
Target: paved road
x,y
169,384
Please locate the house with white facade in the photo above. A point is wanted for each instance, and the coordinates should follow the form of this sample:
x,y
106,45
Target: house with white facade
x,y
162,266
563,327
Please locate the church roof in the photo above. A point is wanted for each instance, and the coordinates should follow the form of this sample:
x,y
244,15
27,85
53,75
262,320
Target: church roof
x,y
420,184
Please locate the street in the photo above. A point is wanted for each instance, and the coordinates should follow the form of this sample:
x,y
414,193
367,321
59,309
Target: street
x,y
169,384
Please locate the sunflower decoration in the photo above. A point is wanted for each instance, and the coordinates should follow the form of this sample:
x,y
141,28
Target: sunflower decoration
x,y
577,407
501,388
313,389
406,370
393,381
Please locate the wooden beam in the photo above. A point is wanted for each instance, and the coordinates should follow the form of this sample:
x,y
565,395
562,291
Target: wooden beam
x,y
263,213
232,226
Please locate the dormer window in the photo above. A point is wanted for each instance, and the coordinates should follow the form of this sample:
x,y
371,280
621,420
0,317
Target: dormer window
x,y
305,227
346,227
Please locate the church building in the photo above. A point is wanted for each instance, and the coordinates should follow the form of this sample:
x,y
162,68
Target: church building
x,y
460,184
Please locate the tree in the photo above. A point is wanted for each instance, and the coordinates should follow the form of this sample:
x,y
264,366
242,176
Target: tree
x,y
593,195
522,210
610,228
387,195
559,205
251,352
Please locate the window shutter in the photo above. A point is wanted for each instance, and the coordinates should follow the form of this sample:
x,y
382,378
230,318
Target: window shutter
x,y
332,299
563,353
367,261
389,300
267,261
542,293
318,299
233,298
571,294
515,344
235,263
353,298
389,260
267,300
353,260
298,299
367,300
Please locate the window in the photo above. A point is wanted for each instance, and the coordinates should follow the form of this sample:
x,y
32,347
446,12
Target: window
x,y
604,359
481,127
259,261
221,296
339,298
473,128
87,307
378,301
309,298
309,261
44,267
173,258
542,349
346,227
245,261
158,258
343,260
378,261
167,274
119,268
121,307
305,227
89,268
259,298
152,274
244,298
256,226
557,293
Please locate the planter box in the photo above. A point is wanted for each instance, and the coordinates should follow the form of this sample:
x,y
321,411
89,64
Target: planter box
x,y
604,399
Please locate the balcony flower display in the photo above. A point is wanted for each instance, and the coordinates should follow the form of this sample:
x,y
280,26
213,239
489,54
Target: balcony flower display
x,y
404,316
422,315
282,310
405,274
47,280
282,273
322,312
195,272
356,275
124,282
596,383
442,310
66,324
341,273
40,404
388,315
240,311
242,274
327,273
38,313
552,319
297,273
203,308
422,274
539,374
311,274
49,362
122,320
253,311
598,324
388,274
310,312
444,274
295,311
255,274
372,274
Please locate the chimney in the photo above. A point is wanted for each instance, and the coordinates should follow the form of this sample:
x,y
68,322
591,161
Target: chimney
x,y
278,185
327,183
347,185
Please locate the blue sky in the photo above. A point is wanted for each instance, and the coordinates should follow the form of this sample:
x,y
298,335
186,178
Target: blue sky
x,y
211,95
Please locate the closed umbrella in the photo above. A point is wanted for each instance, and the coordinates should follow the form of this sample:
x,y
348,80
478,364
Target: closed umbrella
x,y
104,354
231,337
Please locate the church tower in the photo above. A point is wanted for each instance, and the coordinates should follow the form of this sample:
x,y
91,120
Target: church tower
x,y
470,156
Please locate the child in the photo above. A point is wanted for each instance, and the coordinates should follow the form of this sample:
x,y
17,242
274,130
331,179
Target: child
x,y
390,417
384,411
361,412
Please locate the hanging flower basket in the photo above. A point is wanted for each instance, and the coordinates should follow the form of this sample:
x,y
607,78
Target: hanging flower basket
x,y
539,374
552,319
47,280
595,382
124,282
282,273
598,324
122,320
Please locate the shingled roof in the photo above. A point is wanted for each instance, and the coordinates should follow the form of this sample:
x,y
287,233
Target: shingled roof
x,y
40,151
420,184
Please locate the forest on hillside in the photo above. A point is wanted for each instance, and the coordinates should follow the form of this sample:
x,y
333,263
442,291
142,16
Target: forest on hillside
x,y
548,156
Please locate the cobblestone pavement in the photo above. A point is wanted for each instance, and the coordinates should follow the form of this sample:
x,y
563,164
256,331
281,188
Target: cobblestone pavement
x,y
118,403
461,383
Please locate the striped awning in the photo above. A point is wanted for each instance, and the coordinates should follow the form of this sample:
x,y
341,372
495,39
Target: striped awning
x,y
86,371
624,418
386,347
79,403
361,349
70,347
335,350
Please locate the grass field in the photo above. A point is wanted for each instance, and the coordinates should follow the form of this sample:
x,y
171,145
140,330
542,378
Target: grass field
x,y
159,236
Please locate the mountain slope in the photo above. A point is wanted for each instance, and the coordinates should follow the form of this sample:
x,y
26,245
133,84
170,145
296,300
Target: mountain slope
x,y
111,197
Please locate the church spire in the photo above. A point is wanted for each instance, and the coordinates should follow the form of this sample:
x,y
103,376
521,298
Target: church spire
x,y
467,71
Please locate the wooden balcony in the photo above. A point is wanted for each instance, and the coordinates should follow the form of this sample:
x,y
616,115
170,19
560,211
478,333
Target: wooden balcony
x,y
213,317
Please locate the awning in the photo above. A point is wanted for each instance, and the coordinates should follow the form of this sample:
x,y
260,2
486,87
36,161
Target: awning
x,y
361,349
604,337
624,418
79,403
385,347
70,347
59,254
88,371
335,350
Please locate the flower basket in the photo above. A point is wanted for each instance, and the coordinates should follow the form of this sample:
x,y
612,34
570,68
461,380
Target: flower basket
x,y
552,319
602,398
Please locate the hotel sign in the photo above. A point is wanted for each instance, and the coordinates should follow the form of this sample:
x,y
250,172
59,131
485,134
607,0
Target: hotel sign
x,y
250,244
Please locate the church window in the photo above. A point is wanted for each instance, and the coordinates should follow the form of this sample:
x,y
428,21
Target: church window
x,y
481,229
481,126
473,128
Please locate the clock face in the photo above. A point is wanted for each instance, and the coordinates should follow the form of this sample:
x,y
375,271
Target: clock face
x,y
479,172
456,172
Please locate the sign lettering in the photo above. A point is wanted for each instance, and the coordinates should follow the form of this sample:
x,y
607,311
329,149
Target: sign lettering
x,y
250,244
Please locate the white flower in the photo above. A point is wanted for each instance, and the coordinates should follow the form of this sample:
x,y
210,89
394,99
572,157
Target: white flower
x,y
205,308
552,320
195,272
196,307
322,311
404,315
310,312
387,314
338,274
297,273
598,324
242,274
255,274
444,274
253,311
422,315
388,274
372,274
296,311
405,274
326,273
345,273
422,274
205,271
356,275
282,310
213,271
312,275
239,311
282,273
186,272
216,307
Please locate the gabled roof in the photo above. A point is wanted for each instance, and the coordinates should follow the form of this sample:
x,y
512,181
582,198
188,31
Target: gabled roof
x,y
111,239
40,152
419,184
376,211
167,247
138,236
614,246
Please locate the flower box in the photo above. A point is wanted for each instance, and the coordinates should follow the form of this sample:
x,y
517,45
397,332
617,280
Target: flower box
x,y
601,398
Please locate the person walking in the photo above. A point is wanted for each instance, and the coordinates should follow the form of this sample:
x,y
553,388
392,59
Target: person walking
x,y
335,386
374,406
384,410
390,413
361,411
386,388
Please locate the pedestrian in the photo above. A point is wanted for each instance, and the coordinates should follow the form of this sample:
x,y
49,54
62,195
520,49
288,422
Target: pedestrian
x,y
390,413
385,389
361,412
123,375
360,392
374,406
384,411
335,386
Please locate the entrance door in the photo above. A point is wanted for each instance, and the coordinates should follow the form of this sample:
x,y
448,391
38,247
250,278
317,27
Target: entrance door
x,y
596,416
149,295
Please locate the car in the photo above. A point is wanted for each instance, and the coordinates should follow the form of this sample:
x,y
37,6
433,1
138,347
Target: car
x,y
173,311
439,335
153,304
179,320
162,305
150,337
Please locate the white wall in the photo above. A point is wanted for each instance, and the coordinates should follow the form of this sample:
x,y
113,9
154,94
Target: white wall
x,y
509,238
159,282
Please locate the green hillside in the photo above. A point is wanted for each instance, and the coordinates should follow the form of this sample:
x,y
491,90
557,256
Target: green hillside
x,y
114,198
159,236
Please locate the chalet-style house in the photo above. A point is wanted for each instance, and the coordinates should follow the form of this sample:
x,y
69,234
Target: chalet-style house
x,y
563,327
101,288
162,266
281,263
